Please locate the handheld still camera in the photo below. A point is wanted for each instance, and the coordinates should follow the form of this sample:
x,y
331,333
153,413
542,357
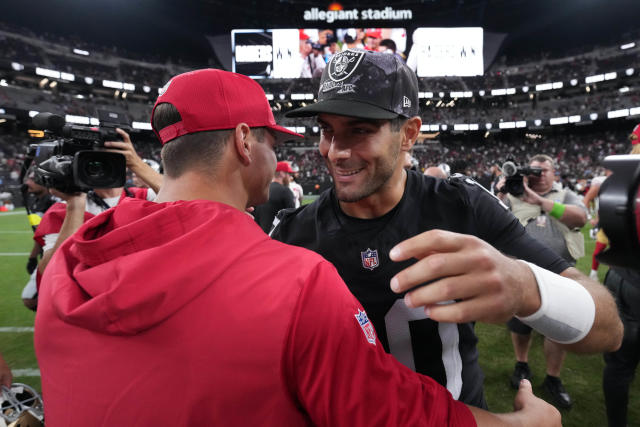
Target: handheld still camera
x,y
514,177
72,159
619,211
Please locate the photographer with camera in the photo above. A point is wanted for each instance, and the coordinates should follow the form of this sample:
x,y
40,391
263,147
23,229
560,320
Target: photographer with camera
x,y
63,219
553,215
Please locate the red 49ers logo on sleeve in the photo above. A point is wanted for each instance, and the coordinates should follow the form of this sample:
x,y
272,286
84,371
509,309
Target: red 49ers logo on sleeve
x,y
367,327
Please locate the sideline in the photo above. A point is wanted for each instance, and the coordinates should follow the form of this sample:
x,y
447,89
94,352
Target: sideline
x,y
25,372
14,253
12,329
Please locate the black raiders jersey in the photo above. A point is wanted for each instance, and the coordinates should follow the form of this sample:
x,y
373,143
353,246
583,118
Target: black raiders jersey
x,y
359,250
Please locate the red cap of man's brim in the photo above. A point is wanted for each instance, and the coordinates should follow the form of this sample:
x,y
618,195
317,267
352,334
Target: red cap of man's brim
x,y
635,135
214,100
284,167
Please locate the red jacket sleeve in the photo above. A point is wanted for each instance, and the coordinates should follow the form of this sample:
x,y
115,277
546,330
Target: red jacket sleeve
x,y
340,374
51,222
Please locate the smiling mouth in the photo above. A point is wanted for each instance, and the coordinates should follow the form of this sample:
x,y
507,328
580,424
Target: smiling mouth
x,y
348,173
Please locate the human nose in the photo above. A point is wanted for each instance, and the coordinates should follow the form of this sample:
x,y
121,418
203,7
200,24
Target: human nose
x,y
337,150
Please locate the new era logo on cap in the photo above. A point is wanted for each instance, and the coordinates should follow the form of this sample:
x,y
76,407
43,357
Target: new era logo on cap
x,y
365,84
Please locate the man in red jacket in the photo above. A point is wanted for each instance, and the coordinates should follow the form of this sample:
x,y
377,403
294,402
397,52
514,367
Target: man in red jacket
x,y
183,312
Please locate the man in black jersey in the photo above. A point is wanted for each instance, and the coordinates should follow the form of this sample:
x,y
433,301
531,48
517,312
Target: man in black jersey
x,y
388,230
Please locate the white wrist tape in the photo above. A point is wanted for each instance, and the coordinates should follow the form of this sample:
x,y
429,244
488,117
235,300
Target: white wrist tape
x,y
567,310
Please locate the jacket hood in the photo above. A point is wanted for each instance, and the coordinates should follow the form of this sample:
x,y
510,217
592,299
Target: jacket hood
x,y
136,264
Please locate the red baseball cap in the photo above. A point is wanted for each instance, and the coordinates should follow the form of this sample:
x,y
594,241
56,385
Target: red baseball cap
x,y
635,135
284,167
213,99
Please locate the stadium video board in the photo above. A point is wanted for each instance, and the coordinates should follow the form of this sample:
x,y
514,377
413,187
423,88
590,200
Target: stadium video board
x,y
439,52
302,53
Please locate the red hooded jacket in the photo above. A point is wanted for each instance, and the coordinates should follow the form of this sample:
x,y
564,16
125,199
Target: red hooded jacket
x,y
187,314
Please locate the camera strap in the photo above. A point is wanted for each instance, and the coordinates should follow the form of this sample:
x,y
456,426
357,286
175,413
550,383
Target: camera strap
x,y
97,200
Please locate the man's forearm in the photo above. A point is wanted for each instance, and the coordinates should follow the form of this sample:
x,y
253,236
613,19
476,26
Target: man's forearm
x,y
146,173
607,330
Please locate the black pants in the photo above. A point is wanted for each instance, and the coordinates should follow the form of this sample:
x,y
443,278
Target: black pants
x,y
621,365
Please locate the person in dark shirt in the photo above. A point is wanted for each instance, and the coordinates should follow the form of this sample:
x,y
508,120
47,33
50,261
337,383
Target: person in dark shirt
x,y
388,231
280,197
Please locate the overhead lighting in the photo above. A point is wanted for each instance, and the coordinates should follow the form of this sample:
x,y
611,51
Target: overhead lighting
x,y
79,96
531,96
79,120
574,82
3,82
629,71
116,94
32,113
297,96
593,116
269,96
525,89
124,95
574,119
610,76
488,125
129,86
481,92
3,121
594,79
507,125
141,125
461,126
88,80
588,89
146,89
47,72
544,86
521,124
112,84
315,129
53,84
43,82
81,52
498,92
17,66
67,76
281,96
441,94
444,127
623,89
486,134
618,113
537,122
634,111
627,46
559,121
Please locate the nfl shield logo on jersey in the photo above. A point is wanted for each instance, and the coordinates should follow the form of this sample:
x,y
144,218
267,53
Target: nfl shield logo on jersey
x,y
367,327
370,259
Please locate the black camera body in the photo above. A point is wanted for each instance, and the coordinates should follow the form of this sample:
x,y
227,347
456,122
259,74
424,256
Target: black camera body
x,y
72,160
514,177
619,211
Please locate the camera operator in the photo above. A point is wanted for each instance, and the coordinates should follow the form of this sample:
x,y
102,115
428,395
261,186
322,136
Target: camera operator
x,y
63,220
620,366
550,214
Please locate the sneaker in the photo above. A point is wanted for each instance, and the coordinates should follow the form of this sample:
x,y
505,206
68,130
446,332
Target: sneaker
x,y
593,275
559,396
521,372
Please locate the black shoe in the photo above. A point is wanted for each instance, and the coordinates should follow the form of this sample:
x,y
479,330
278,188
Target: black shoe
x,y
559,396
521,372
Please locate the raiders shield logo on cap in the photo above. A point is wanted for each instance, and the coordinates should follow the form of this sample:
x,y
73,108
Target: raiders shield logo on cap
x,y
343,64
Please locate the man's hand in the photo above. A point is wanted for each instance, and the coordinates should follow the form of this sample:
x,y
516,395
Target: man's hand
x,y
32,264
529,410
486,285
530,196
6,377
134,162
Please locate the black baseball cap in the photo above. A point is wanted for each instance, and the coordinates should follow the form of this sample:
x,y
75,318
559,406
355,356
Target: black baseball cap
x,y
365,84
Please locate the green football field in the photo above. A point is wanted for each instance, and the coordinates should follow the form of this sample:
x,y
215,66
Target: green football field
x,y
582,375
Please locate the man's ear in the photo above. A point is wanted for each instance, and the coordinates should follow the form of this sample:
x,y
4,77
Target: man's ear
x,y
411,130
242,144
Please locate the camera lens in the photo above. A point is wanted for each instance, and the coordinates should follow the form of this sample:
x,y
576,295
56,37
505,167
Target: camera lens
x,y
97,169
